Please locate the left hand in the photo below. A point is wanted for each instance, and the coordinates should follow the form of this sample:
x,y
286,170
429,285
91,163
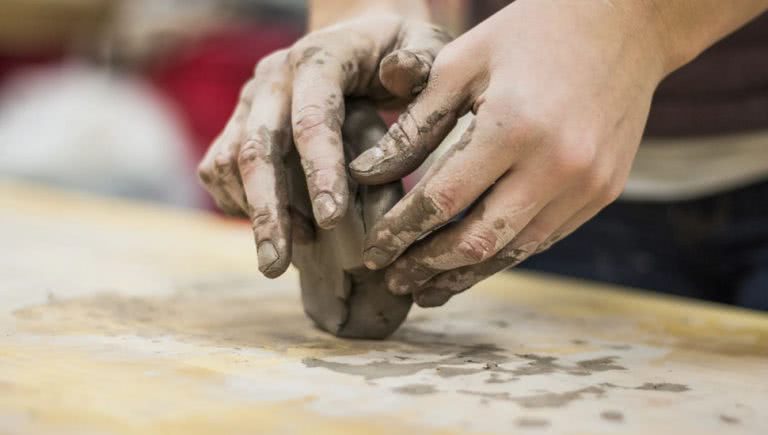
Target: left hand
x,y
561,92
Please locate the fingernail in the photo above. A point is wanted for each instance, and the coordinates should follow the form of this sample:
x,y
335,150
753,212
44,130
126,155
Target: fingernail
x,y
368,160
375,258
325,208
431,298
267,255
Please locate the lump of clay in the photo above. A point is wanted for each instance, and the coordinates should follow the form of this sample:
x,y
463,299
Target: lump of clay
x,y
339,294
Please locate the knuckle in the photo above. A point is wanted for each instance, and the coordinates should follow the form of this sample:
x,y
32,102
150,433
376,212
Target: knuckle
x,y
310,122
205,173
270,64
478,246
574,159
328,168
222,165
611,192
308,48
261,216
246,92
440,203
400,138
254,150
525,128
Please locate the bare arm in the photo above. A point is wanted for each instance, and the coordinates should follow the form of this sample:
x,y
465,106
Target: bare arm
x,y
685,28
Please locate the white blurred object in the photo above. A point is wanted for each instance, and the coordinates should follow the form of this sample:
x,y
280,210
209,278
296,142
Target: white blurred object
x,y
80,127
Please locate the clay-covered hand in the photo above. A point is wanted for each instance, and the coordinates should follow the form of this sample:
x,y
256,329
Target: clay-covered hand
x,y
560,91
297,96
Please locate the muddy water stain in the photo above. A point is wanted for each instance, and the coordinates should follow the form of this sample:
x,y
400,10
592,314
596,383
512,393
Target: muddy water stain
x,y
450,372
494,378
531,422
548,364
543,400
468,361
614,416
663,386
447,366
600,364
416,389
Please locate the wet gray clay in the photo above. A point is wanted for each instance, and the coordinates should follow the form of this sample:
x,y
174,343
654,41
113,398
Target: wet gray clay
x,y
339,294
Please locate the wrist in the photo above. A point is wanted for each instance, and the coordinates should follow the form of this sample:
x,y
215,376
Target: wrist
x,y
683,29
323,13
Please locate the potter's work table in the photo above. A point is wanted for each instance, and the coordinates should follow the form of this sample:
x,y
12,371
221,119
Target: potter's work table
x,y
118,318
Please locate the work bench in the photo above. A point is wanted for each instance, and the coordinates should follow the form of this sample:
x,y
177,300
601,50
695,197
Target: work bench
x,y
125,318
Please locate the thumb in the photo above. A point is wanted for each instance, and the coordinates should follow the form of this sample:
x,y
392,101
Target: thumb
x,y
405,71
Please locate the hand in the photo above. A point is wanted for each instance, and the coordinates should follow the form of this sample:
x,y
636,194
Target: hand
x,y
561,92
297,96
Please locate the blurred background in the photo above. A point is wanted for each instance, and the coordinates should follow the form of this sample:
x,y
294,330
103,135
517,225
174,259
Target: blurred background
x,y
122,97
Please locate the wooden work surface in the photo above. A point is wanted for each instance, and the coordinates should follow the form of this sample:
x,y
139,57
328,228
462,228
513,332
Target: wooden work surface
x,y
117,318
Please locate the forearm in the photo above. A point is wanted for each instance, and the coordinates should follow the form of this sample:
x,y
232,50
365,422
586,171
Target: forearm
x,y
688,27
326,12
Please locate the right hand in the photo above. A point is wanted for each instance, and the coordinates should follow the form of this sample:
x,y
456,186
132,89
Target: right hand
x,y
297,96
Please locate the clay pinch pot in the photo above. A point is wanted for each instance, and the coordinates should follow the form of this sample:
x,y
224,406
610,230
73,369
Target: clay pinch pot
x,y
339,293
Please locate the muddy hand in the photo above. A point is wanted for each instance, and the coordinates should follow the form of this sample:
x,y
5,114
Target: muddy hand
x,y
555,130
296,96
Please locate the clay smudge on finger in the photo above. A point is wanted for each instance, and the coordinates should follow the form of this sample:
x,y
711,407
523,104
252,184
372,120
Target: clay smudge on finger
x,y
404,147
307,55
415,215
271,223
457,245
405,72
327,184
448,284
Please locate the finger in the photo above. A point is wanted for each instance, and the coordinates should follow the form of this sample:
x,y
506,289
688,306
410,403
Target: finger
x,y
317,116
571,225
456,180
261,166
405,71
218,170
417,132
545,229
448,284
532,240
503,213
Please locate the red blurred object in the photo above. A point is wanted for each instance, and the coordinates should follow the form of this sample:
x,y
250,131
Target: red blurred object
x,y
204,79
13,63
